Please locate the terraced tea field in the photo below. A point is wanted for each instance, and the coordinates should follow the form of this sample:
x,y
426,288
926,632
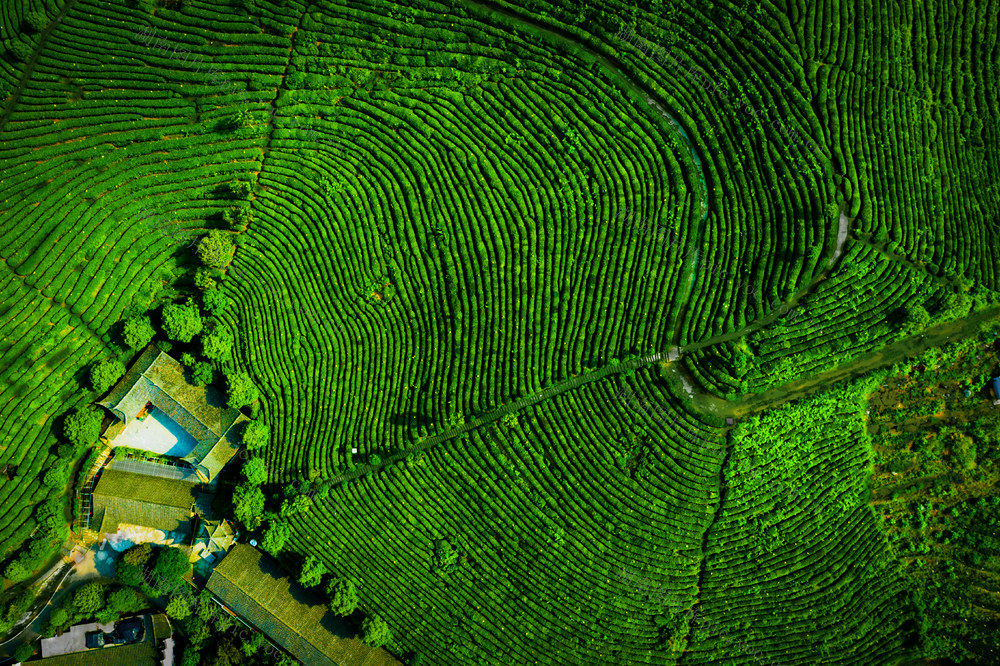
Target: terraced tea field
x,y
502,271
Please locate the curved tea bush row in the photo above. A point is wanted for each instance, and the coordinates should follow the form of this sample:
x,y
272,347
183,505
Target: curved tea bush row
x,y
109,139
545,515
439,253
867,302
796,566
898,105
42,348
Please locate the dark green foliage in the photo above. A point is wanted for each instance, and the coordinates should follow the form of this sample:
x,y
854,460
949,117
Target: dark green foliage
x,y
275,537
218,345
57,476
131,567
36,21
178,608
126,600
181,322
256,435
214,301
445,557
204,279
343,595
171,566
23,652
313,570
375,631
238,218
216,249
89,598
16,572
138,332
248,505
82,426
255,471
19,50
241,389
202,373
240,189
104,374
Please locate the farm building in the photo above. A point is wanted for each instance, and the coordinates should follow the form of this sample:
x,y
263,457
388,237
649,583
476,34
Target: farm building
x,y
255,588
149,508
159,410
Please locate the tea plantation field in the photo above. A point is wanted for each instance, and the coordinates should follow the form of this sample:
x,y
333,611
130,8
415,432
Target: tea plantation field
x,y
505,275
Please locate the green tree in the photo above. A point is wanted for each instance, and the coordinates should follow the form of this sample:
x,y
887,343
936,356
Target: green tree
x,y
82,426
23,652
125,600
509,420
240,189
89,599
204,279
248,505
37,21
57,476
276,537
255,471
241,389
214,301
242,120
343,596
19,50
130,569
218,345
238,217
16,572
917,317
138,555
104,374
182,322
171,565
179,608
256,435
376,631
216,249
295,505
313,570
138,332
202,373
59,617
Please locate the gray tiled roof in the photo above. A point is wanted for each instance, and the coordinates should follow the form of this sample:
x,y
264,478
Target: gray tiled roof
x,y
201,410
257,589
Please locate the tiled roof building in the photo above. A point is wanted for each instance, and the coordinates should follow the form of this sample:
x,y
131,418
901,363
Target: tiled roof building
x,y
159,380
254,587
125,498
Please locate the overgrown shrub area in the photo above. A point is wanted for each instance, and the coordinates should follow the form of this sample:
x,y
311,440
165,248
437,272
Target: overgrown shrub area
x,y
936,475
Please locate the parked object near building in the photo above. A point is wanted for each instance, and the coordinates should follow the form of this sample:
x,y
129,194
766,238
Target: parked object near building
x,y
144,640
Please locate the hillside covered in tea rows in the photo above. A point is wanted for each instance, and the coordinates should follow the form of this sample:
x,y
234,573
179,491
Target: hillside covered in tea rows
x,y
539,297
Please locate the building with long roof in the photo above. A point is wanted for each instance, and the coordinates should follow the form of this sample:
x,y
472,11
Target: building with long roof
x,y
159,410
161,507
254,587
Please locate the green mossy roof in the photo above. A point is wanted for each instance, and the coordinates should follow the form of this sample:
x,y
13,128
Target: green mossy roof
x,y
141,499
257,589
201,410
